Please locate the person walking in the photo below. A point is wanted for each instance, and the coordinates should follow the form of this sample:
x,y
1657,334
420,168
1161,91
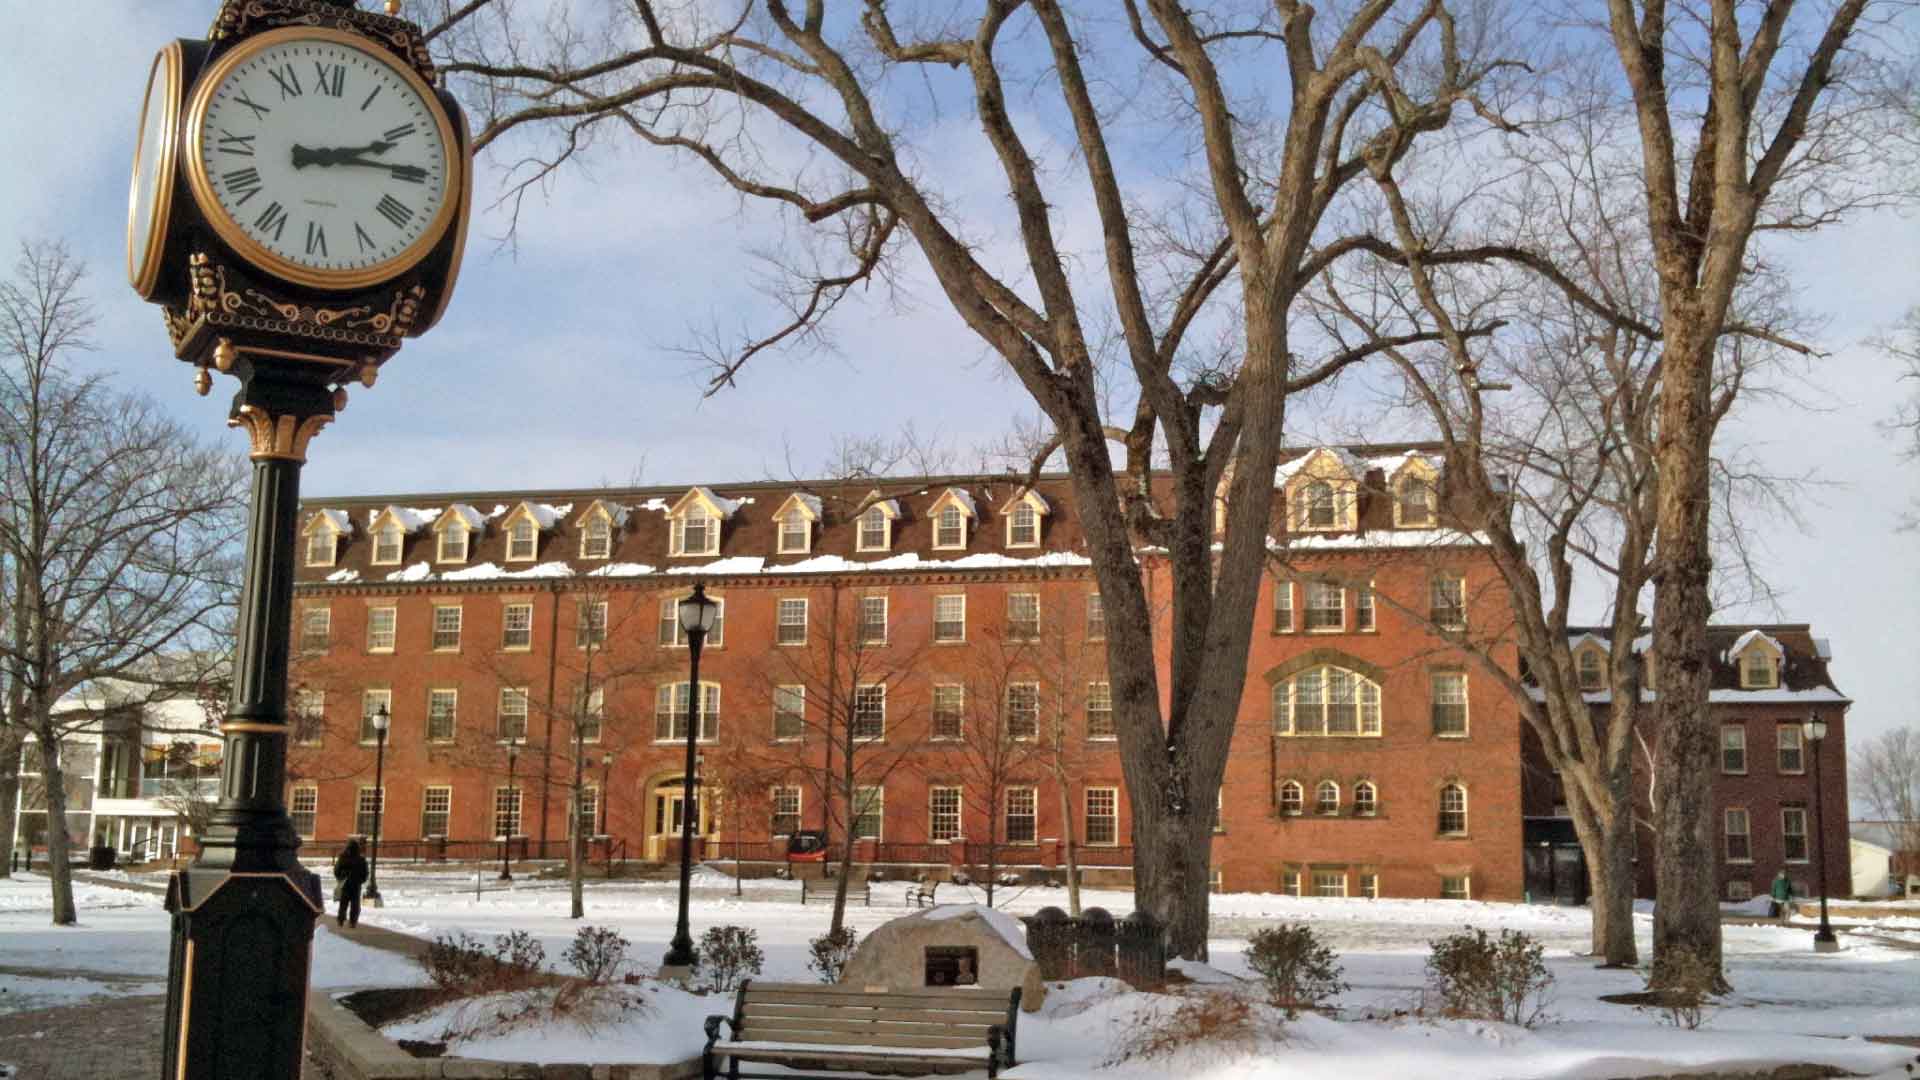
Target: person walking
x,y
350,870
1782,897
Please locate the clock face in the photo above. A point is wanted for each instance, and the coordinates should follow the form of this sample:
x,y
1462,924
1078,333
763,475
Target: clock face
x,y
149,203
322,159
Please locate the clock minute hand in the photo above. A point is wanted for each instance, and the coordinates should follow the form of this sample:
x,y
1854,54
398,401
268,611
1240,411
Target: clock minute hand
x,y
412,173
337,155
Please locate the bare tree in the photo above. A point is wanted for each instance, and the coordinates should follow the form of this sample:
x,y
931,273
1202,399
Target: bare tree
x,y
1885,773
831,121
119,526
989,744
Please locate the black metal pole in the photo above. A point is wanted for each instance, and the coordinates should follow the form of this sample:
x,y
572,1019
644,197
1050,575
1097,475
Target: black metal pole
x,y
379,808
606,792
513,819
1823,939
681,954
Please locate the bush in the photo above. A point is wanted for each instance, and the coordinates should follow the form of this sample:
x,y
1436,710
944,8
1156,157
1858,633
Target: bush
x,y
1298,968
829,953
1219,1023
728,955
597,953
1490,979
1691,983
455,961
518,952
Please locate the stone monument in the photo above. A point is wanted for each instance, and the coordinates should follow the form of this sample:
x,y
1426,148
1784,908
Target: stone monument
x,y
949,945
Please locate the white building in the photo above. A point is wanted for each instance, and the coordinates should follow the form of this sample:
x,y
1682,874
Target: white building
x,y
1872,845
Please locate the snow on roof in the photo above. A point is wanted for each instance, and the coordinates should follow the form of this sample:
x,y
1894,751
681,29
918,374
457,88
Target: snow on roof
x,y
1394,462
1355,465
419,571
1027,494
616,512
891,507
1819,695
1008,927
809,504
725,506
466,515
1584,637
545,515
1740,645
1823,648
623,569
735,564
411,519
961,496
339,519
657,505
341,577
1381,538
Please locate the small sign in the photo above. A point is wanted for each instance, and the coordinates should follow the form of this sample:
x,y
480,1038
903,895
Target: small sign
x,y
952,965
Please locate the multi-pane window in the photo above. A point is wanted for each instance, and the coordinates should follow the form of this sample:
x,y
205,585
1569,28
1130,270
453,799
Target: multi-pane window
x,y
590,630
453,544
374,703
309,716
1757,670
1100,711
1370,886
441,710
1329,883
513,713
1326,798
1317,509
791,624
950,617
436,808
1791,751
1023,526
1739,835
1289,883
1096,618
386,545
869,807
873,620
1733,749
1023,807
950,528
380,623
876,530
316,629
1363,617
1793,833
870,711
587,811
943,813
1366,799
671,704
516,622
949,710
1283,607
786,810
1023,710
1292,797
796,534
321,546
1739,890
1416,501
1449,690
1326,606
1326,701
303,806
1449,602
1023,616
522,541
1453,810
1593,675
506,812
590,712
446,626
1456,887
695,532
1103,816
367,811
596,540
672,635
789,712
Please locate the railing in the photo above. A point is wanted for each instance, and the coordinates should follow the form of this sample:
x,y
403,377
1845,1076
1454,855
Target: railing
x,y
607,850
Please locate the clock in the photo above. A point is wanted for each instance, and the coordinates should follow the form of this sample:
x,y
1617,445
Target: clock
x,y
321,159
150,203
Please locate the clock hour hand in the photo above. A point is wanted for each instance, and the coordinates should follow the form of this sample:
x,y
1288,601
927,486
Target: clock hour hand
x,y
410,173
337,155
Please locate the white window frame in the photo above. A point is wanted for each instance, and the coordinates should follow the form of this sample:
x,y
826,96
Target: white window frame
x,y
1110,796
1016,629
596,531
508,804
1783,734
427,794
1728,832
1096,617
452,696
595,709
779,799
1031,797
1100,703
1465,890
1293,798
310,794
786,527
785,697
586,811
501,714
1591,663
1283,618
314,639
1733,745
673,636
941,526
1401,502
861,529
1310,506
332,540
1320,798
1289,881
869,799
389,530
1788,814
1739,890
371,698
443,625
863,637
1369,885
1290,703
940,637
863,697
362,814
507,628
673,700
1366,617
590,625
1444,609
946,822
309,716
1025,732
523,539
1329,883
784,607
1768,669
954,709
374,635
1023,517
444,549
710,532
1435,679
1318,590
1466,820
1366,799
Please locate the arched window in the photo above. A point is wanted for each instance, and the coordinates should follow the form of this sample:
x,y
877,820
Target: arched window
x,y
1453,810
1326,700
1292,797
1319,512
876,530
1592,676
1326,798
1416,501
1366,799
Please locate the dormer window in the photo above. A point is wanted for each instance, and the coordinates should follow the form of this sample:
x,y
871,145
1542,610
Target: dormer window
x,y
1023,519
454,531
1320,489
794,524
951,513
696,532
1592,673
1320,509
876,530
1757,671
1415,505
453,544
387,543
596,540
323,546
523,541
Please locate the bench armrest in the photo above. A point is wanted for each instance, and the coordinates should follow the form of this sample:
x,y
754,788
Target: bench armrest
x,y
713,1028
999,1053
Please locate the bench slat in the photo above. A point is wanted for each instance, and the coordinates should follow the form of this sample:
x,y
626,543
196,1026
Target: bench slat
x,y
918,995
905,1026
864,1038
848,1012
769,1050
996,1005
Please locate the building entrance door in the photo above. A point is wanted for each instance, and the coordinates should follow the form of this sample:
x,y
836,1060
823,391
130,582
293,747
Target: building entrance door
x,y
669,815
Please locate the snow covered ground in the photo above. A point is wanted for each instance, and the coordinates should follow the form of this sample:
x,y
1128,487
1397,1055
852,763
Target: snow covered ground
x,y
1789,1003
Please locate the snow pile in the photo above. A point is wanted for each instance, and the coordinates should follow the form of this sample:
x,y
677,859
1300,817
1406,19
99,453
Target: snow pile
x,y
735,564
339,519
473,519
410,519
419,571
1009,928
1355,466
342,577
649,1024
623,569
726,506
1740,645
1377,539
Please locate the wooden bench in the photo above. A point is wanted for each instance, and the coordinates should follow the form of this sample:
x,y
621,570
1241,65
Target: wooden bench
x,y
818,1028
921,895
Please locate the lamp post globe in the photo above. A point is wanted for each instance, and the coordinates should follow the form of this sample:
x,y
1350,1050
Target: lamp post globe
x,y
697,613
381,721
1815,729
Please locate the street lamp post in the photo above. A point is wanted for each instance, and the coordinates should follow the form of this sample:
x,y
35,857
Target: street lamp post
x,y
381,720
606,792
512,819
1816,732
697,614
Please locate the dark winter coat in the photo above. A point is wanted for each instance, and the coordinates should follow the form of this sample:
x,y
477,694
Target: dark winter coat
x,y
350,869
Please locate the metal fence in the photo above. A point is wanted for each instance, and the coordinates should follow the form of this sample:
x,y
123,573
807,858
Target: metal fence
x,y
1134,948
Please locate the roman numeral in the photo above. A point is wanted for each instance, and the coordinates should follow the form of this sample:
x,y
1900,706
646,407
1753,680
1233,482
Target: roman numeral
x,y
395,211
333,78
400,132
370,97
316,239
360,234
288,79
242,184
259,111
272,218
236,144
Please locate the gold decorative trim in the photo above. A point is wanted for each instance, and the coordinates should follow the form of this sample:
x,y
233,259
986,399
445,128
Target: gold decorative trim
x,y
200,182
223,882
237,18
283,438
143,267
258,729
186,1009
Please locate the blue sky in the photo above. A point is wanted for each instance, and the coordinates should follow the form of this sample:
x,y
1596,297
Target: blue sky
x,y
559,362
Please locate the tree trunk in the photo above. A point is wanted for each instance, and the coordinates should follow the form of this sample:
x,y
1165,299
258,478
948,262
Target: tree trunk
x,y
576,869
1687,905
1170,876
840,884
1071,849
1608,843
53,776
11,741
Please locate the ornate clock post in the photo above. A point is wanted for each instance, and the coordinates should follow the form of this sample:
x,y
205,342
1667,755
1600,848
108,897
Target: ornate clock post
x,y
299,207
